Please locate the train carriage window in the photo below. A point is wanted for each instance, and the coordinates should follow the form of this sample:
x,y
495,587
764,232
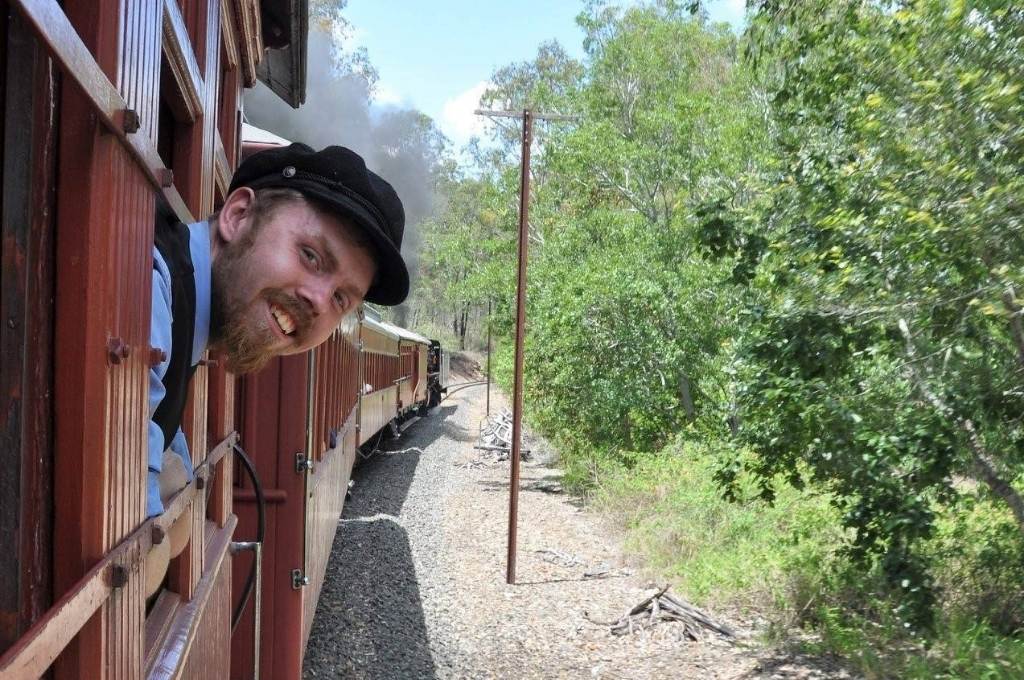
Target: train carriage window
x,y
165,134
179,145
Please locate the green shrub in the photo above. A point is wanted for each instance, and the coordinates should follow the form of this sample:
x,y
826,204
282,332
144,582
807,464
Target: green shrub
x,y
770,557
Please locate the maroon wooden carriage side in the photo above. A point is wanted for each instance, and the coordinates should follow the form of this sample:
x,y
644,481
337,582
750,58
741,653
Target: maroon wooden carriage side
x,y
298,423
114,111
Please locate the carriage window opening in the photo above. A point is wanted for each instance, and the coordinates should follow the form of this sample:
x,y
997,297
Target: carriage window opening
x,y
165,134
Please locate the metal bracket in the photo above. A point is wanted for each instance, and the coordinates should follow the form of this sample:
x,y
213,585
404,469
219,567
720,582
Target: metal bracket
x,y
303,464
299,580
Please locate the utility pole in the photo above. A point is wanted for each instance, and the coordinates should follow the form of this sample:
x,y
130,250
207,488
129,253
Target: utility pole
x,y
527,117
488,356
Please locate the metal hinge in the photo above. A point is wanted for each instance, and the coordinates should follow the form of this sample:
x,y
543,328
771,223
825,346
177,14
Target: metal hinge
x,y
299,580
303,464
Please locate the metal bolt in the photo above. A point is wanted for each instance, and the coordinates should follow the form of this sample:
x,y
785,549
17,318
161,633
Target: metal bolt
x,y
130,121
11,323
166,177
289,171
158,535
156,356
117,350
200,482
118,576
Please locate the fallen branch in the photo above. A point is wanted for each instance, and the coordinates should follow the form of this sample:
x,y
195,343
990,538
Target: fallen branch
x,y
663,607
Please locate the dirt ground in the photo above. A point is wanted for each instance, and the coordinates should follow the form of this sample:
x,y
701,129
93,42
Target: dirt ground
x,y
416,587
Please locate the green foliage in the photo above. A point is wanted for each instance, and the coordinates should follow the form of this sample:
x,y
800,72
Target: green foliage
x,y
894,209
609,349
720,551
793,261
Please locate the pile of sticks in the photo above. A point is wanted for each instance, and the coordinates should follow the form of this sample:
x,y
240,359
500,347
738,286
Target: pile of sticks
x,y
664,607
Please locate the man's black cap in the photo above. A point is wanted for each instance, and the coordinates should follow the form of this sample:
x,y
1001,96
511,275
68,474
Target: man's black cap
x,y
337,179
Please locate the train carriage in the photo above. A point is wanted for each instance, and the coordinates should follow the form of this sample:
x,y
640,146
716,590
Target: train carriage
x,y
380,368
298,422
412,375
118,115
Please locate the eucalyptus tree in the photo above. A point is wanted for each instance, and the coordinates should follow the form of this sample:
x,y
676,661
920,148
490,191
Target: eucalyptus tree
x,y
883,353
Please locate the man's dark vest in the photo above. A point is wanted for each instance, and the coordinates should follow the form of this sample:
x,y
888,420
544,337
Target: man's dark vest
x,y
172,240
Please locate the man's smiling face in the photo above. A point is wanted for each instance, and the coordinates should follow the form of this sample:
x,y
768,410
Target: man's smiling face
x,y
283,277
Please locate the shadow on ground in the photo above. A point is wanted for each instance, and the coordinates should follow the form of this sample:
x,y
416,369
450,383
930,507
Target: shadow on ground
x,y
363,630
369,621
792,664
394,460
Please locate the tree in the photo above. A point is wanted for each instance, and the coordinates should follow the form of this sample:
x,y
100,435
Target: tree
x,y
883,305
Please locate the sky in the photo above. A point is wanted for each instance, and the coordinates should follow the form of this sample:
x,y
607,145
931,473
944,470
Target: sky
x,y
437,56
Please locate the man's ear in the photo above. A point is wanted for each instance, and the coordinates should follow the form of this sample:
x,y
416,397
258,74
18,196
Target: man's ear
x,y
236,214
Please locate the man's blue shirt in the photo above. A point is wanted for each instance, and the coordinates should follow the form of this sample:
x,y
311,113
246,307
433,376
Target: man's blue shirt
x,y
160,336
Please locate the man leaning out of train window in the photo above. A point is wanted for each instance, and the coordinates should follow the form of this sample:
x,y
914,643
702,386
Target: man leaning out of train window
x,y
302,239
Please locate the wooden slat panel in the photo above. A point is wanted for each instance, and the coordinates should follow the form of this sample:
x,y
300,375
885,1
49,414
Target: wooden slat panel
x,y
375,411
128,254
139,72
221,406
326,498
190,623
194,419
37,649
78,63
208,657
87,319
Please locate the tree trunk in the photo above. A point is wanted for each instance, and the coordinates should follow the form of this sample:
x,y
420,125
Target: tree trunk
x,y
1016,327
462,327
685,396
984,467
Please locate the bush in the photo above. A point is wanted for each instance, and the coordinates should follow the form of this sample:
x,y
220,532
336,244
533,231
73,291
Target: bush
x,y
768,557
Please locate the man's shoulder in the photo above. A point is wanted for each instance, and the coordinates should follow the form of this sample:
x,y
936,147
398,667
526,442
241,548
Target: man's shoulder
x,y
161,288
161,272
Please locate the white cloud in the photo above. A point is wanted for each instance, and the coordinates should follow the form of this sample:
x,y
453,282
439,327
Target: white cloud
x,y
458,121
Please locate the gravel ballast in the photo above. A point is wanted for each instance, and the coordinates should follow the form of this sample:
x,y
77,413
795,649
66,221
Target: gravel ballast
x,y
416,583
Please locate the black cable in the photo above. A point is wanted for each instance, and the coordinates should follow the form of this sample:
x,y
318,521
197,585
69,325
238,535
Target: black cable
x,y
261,524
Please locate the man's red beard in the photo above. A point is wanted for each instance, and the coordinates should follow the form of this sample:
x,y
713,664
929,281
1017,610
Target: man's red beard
x,y
239,327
